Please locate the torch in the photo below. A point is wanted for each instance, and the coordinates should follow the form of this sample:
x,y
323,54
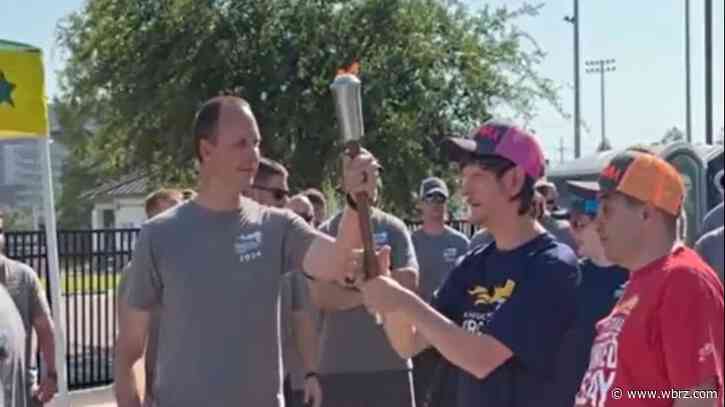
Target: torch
x,y
346,90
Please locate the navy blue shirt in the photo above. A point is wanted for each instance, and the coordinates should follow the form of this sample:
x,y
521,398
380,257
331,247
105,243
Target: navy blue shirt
x,y
526,299
598,292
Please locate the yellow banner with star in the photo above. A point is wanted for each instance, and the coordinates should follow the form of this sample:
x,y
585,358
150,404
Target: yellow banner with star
x,y
23,105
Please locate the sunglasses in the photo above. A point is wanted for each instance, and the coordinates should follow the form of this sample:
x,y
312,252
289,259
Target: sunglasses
x,y
277,193
435,199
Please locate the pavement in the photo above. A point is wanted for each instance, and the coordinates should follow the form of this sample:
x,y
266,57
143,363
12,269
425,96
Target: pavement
x,y
103,396
100,397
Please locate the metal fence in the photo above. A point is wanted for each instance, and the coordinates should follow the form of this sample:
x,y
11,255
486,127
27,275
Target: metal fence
x,y
91,262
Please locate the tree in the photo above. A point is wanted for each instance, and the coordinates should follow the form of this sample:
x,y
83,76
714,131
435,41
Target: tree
x,y
83,170
428,71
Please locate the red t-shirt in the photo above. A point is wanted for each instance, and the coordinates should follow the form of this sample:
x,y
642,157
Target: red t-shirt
x,y
665,333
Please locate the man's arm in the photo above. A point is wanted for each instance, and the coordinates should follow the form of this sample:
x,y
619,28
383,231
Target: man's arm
x,y
141,290
403,337
477,354
42,322
308,341
329,259
130,344
692,332
45,330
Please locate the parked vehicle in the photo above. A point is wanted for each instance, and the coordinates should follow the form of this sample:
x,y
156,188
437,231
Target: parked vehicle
x,y
698,164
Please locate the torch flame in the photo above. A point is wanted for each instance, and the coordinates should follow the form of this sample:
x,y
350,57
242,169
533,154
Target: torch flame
x,y
353,69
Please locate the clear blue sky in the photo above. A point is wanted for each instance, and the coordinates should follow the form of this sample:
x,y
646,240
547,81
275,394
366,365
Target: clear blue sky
x,y
645,96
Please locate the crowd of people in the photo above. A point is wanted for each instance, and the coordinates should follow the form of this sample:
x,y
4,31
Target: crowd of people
x,y
243,293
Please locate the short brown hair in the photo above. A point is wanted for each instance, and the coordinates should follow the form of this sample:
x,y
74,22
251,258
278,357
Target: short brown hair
x,y
163,194
206,120
315,196
269,168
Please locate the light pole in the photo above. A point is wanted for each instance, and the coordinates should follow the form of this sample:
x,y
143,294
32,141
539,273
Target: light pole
x,y
577,89
602,66
708,72
688,75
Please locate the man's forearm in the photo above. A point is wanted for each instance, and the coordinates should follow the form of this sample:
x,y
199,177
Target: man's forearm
x,y
43,326
130,346
125,384
477,354
398,328
308,341
328,256
402,335
46,346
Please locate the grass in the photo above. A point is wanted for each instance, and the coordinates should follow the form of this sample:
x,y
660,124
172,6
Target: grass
x,y
87,283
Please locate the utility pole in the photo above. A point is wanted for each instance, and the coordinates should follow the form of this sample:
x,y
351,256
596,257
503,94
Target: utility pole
x,y
577,83
562,150
708,73
601,67
688,74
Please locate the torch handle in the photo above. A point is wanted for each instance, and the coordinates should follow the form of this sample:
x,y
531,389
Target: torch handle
x,y
371,268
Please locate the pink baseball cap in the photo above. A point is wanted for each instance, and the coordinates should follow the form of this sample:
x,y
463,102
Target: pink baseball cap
x,y
500,139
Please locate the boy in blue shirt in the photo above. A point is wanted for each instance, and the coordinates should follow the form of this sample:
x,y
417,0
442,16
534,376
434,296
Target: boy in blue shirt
x,y
502,313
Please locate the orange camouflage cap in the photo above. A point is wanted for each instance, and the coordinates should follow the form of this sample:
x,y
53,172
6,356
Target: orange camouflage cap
x,y
644,177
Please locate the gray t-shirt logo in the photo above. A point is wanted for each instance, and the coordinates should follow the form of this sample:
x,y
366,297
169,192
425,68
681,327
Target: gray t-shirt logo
x,y
247,246
381,239
450,254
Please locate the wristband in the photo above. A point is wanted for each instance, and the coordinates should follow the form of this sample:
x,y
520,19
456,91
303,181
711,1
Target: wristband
x,y
311,375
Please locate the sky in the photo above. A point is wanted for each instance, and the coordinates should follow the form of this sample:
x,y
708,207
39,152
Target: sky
x,y
645,96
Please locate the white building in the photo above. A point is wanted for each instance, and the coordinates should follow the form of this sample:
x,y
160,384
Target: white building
x,y
119,204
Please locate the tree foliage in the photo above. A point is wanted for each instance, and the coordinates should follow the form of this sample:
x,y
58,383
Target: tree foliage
x,y
142,68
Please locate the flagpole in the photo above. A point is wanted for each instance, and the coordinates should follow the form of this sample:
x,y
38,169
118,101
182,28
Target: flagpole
x,y
58,307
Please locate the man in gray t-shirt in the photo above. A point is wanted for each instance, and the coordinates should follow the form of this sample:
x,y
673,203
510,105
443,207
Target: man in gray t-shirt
x,y
711,249
358,366
213,266
155,203
438,248
300,321
24,287
13,387
295,310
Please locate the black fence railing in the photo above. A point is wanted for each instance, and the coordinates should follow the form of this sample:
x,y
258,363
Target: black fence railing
x,y
91,263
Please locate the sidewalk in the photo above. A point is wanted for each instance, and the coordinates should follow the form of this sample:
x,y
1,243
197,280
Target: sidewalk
x,y
100,397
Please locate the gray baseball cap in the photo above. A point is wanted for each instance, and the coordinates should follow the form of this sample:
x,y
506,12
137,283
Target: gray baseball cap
x,y
433,185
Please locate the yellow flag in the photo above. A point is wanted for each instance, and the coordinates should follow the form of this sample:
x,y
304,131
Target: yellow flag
x,y
23,107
